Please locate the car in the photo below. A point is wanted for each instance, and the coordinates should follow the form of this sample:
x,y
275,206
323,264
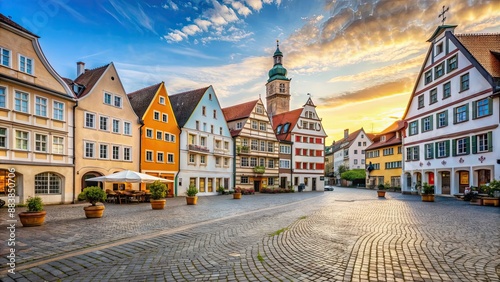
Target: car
x,y
328,188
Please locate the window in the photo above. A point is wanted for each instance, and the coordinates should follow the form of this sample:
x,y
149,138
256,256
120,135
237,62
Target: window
x,y
220,130
126,128
159,135
164,117
47,183
461,146
22,140
116,126
254,145
482,143
172,138
40,106
204,111
226,161
162,100
197,125
203,141
58,110
244,142
115,152
118,101
239,125
284,163
103,123
57,145
355,161
443,149
156,115
244,180
5,57
412,153
215,114
439,70
25,64
89,150
2,96
461,113
446,90
359,143
192,158
103,151
442,119
205,126
107,98
244,161
421,101
389,151
413,130
149,133
464,82
428,77
159,157
254,124
285,149
396,164
217,161
427,124
226,145
282,88
40,143
253,162
149,156
89,120
439,48
270,147
452,63
429,151
482,108
355,152
126,153
21,102
262,126
167,136
262,146
212,128
270,181
433,96
3,137
259,109
203,159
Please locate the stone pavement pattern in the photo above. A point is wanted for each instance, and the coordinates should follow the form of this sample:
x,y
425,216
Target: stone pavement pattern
x,y
345,235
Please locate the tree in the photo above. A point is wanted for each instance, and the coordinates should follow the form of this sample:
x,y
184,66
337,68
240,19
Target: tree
x,y
342,168
353,174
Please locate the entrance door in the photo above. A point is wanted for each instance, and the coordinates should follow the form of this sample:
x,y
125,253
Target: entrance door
x,y
314,183
283,182
445,183
88,175
256,185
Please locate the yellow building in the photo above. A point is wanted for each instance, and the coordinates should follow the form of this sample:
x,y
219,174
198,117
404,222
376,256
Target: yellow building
x,y
159,133
107,128
36,121
384,158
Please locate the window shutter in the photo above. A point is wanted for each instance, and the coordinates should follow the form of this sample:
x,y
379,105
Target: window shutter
x,y
467,145
422,124
474,144
474,109
455,115
446,117
431,120
436,149
454,147
490,106
467,112
447,146
490,141
432,152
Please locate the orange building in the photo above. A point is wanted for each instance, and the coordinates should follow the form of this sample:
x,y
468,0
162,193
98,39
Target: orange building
x,y
159,133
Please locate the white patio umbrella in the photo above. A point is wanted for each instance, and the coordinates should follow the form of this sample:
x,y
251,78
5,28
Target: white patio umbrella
x,y
128,176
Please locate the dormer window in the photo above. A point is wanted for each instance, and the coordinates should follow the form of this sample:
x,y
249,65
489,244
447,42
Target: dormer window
x,y
439,48
25,64
382,138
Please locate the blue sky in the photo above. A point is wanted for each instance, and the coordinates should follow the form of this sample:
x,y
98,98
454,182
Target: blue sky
x,y
359,59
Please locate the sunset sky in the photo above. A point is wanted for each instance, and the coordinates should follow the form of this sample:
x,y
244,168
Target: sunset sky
x,y
359,59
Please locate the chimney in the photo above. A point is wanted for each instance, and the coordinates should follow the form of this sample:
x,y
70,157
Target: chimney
x,y
80,68
346,133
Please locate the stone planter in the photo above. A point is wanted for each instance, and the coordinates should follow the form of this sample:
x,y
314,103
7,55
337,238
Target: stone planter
x,y
237,196
158,204
94,211
381,193
490,201
192,200
427,197
476,202
30,219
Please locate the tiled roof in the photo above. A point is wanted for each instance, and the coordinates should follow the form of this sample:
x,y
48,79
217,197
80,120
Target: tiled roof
x,y
184,104
88,79
291,117
483,47
141,99
239,111
389,131
10,22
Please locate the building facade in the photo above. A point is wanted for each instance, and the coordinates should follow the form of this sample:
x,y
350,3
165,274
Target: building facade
x,y
206,146
453,114
159,134
256,155
277,86
36,120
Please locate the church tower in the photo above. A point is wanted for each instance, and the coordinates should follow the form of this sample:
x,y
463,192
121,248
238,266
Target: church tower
x,y
278,86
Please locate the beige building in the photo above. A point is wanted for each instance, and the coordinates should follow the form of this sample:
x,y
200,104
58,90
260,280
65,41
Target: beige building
x,y
107,128
36,120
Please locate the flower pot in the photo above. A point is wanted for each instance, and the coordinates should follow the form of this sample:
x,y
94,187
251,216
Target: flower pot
x,y
381,193
192,200
427,197
94,211
491,201
477,202
237,196
30,219
158,204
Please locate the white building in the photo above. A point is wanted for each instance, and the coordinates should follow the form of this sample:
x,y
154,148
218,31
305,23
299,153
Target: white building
x,y
452,117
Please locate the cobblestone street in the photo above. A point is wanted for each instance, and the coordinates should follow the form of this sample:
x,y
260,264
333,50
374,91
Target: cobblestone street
x,y
344,235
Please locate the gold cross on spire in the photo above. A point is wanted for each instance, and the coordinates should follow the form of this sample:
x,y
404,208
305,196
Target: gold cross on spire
x,y
442,14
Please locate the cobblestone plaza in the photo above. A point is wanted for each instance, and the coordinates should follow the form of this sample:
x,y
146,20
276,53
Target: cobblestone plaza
x,y
344,235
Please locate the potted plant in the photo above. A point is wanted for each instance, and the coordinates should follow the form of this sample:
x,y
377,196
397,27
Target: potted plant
x,y
381,190
220,190
93,195
427,192
237,193
35,215
493,191
158,192
191,192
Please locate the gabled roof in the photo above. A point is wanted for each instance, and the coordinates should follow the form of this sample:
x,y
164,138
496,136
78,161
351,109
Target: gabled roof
x,y
184,104
291,117
239,111
141,99
13,24
87,79
350,139
393,128
484,48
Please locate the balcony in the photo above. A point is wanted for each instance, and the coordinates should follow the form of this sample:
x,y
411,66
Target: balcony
x,y
259,169
198,148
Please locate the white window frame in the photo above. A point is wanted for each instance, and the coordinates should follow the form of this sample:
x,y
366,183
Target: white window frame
x,y
127,128
285,164
170,158
482,142
160,157
85,151
41,143
105,151
25,64
159,134
164,117
127,153
113,147
148,156
3,137
25,139
86,115
58,145
3,95
22,101
119,100
115,129
101,118
149,130
244,180
2,61
161,100
56,111
41,108
111,100
156,115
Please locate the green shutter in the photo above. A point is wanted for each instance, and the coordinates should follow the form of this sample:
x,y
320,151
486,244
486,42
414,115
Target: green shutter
x,y
467,112
422,124
490,106
455,115
436,150
474,144
446,117
467,145
490,141
430,122
418,153
474,109
447,146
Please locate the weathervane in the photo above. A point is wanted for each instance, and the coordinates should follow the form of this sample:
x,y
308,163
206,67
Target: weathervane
x,y
442,14
277,43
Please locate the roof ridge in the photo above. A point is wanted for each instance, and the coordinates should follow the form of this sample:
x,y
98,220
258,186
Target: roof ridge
x,y
147,87
198,89
238,105
478,34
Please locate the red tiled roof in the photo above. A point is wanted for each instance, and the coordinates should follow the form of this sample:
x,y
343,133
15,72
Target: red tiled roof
x,y
483,47
291,117
388,132
10,22
239,111
89,78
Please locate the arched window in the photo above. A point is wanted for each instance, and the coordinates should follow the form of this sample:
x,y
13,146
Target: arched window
x,y
48,183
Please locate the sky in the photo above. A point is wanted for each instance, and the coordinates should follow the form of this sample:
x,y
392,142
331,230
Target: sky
x,y
359,59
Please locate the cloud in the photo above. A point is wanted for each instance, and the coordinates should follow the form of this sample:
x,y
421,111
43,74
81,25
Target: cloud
x,y
129,15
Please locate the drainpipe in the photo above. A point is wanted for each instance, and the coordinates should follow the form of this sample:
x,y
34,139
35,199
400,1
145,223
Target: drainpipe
x,y
291,164
140,149
179,162
234,162
74,148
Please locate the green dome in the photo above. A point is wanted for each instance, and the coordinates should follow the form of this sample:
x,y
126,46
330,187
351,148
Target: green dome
x,y
277,52
277,72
